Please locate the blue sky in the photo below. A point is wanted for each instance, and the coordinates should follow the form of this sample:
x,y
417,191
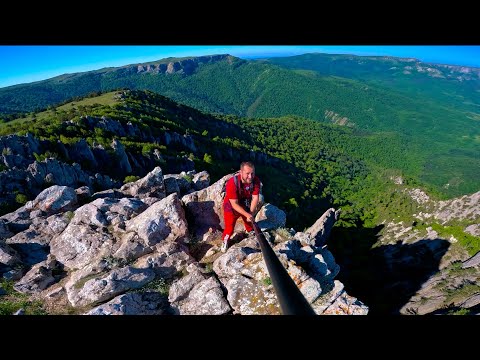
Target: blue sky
x,y
24,64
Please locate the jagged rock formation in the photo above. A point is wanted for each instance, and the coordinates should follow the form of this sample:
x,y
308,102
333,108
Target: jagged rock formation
x,y
453,288
452,284
186,66
138,250
25,175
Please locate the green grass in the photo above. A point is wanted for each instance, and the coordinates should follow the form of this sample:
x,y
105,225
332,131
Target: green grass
x,y
104,99
267,281
158,285
469,242
461,293
460,312
14,301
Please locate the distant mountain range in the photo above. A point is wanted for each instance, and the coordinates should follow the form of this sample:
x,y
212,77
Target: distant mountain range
x,y
421,119
457,86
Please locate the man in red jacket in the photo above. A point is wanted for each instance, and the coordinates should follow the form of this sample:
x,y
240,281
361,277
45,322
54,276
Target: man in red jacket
x,y
241,200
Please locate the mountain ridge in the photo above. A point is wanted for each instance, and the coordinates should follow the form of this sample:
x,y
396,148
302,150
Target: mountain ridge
x,y
429,123
307,168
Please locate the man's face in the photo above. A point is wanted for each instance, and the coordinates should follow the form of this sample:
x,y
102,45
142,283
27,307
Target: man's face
x,y
247,174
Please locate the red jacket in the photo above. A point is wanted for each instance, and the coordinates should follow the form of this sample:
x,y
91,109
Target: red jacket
x,y
246,192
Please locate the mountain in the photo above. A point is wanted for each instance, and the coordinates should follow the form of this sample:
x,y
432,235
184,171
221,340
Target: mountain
x,y
384,232
135,130
83,243
414,126
456,86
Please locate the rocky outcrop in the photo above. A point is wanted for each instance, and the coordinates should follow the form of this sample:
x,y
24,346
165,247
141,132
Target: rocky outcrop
x,y
431,252
471,262
151,185
201,180
106,286
244,274
181,182
447,290
8,256
198,294
204,207
466,207
21,146
80,152
28,177
38,278
123,253
270,217
53,200
139,303
185,140
61,173
185,66
163,221
121,155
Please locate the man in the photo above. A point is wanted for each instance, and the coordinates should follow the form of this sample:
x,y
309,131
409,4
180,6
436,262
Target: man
x,y
241,200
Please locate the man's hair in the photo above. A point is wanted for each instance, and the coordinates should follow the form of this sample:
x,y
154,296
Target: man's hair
x,y
247,163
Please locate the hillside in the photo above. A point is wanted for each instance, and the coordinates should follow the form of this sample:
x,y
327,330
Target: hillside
x,y
457,86
152,247
422,134
67,239
152,128
307,167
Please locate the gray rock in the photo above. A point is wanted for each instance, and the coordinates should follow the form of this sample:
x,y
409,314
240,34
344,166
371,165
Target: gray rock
x,y
8,256
55,199
320,231
138,303
205,298
473,261
149,186
37,279
201,180
270,217
106,286
205,207
121,155
163,221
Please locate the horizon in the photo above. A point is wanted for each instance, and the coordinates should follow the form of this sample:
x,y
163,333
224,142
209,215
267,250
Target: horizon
x,y
17,68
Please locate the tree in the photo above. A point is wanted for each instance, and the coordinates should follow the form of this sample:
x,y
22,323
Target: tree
x,y
208,159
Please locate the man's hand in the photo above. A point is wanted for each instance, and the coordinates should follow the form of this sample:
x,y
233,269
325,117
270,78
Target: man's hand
x,y
250,218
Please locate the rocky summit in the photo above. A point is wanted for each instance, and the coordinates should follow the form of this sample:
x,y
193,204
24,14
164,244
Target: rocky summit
x,y
152,247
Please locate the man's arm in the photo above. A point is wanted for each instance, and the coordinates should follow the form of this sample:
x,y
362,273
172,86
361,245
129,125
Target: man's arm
x,y
253,205
238,208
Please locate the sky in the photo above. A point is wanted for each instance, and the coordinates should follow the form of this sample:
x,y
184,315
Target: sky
x,y
24,64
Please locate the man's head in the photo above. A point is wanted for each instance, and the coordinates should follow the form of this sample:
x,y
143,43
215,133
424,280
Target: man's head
x,y
247,172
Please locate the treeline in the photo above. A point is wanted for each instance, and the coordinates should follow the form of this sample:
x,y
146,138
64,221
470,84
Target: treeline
x,y
304,174
310,166
405,130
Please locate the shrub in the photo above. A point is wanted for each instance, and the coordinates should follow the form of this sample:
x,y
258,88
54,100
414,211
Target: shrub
x,y
46,155
208,159
69,215
21,198
130,178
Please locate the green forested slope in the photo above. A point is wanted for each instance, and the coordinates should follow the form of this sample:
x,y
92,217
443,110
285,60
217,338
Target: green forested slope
x,y
312,166
415,133
457,86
